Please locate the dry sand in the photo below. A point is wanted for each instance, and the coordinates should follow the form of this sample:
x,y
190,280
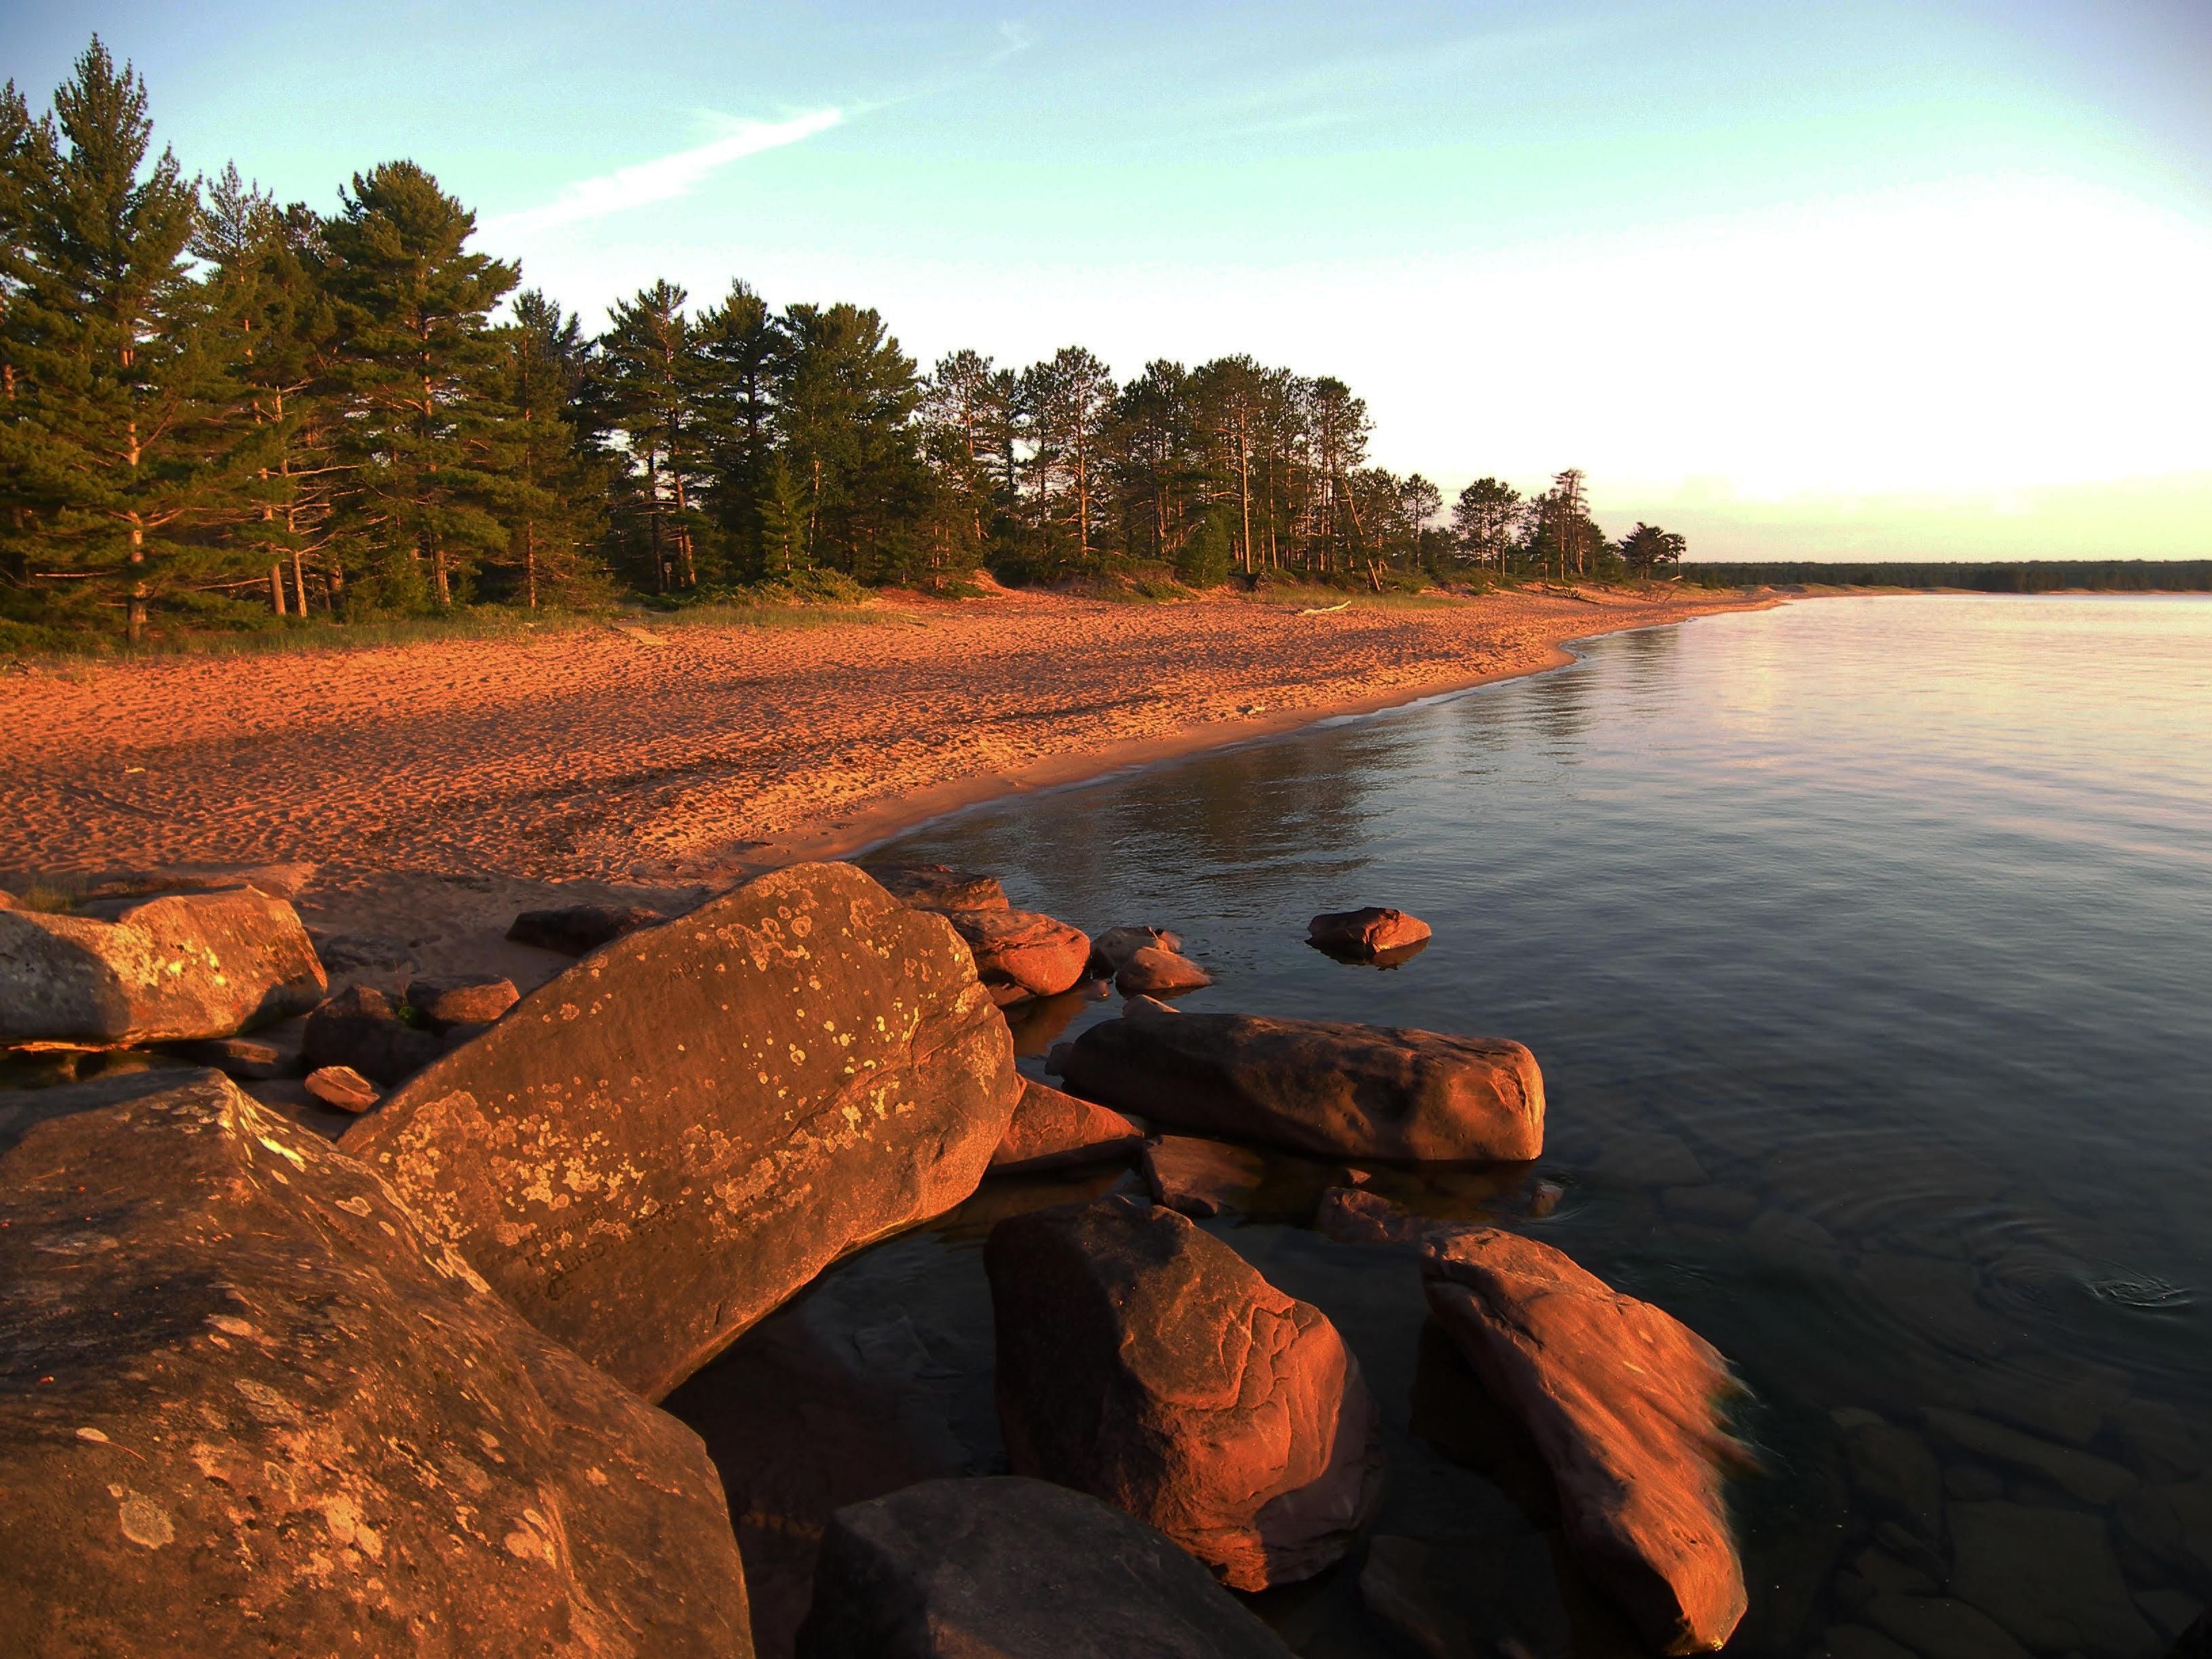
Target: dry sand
x,y
691,754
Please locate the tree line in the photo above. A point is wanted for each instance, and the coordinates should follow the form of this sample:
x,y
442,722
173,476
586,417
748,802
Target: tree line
x,y
1997,576
216,405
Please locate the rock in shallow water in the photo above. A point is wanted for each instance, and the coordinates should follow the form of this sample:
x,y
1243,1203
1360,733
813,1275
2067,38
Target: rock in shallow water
x,y
1020,954
1623,1403
1117,945
178,967
1316,1086
1015,1569
1053,1131
1366,933
2048,1576
939,887
1143,1361
247,1407
1153,971
655,1148
1200,1178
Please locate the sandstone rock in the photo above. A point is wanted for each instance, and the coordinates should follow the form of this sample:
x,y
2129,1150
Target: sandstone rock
x,y
656,1147
1151,971
2093,1480
1020,954
939,887
240,1057
1350,1216
1623,1403
343,1087
247,1407
577,930
1015,1569
1142,1361
1200,1178
1314,1086
1937,1627
1053,1131
1117,945
359,1028
181,966
462,1002
2048,1577
1365,933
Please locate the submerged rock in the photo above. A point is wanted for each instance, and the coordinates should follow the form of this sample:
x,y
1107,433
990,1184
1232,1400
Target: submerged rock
x,y
577,930
658,1146
2049,1577
174,968
1349,1216
247,1406
1052,1131
1623,1403
1365,933
360,1030
1020,954
1200,1178
1015,1569
939,887
1316,1086
1143,1361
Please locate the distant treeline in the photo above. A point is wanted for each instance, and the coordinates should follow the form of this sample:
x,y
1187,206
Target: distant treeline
x,y
2024,576
216,409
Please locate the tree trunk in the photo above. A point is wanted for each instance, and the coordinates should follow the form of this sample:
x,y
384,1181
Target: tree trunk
x,y
277,587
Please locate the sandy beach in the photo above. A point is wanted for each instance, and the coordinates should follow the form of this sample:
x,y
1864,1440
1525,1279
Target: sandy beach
x,y
693,753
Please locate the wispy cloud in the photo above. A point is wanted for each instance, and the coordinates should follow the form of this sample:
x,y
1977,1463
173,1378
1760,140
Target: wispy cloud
x,y
666,178
1015,37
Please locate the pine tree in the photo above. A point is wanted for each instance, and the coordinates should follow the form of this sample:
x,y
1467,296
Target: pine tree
x,y
648,376
550,490
418,372
736,342
844,396
114,449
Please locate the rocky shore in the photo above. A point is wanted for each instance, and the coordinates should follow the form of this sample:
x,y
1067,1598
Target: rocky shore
x,y
386,1307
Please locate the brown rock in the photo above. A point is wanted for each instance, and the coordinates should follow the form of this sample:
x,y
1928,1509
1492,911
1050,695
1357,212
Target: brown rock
x,y
1142,1361
1052,1131
1313,1086
1350,1216
1020,954
462,1002
939,887
1151,971
1200,1178
1015,1569
248,1407
656,1147
577,930
1117,945
343,1087
1623,1403
240,1057
181,966
360,1029
1365,933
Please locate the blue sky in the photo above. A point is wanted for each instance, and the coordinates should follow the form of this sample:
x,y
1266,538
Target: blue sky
x,y
1863,280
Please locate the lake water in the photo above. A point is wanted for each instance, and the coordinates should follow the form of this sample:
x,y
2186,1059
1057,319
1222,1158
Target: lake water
x,y
1867,946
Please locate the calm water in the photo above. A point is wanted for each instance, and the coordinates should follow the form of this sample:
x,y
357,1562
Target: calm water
x,y
1866,944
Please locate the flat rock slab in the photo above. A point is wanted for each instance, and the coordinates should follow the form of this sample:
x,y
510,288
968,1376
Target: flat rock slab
x,y
249,1406
1623,1403
1020,954
174,968
1053,1131
1201,1178
1316,1086
658,1146
1015,1569
1145,1363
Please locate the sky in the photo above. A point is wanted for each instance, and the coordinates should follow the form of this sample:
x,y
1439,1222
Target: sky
x,y
1808,280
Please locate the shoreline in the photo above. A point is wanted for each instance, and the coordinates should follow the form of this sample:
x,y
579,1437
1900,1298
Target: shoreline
x,y
621,758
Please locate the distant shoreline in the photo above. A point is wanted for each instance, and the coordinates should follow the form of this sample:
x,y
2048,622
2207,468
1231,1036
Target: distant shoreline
x,y
701,754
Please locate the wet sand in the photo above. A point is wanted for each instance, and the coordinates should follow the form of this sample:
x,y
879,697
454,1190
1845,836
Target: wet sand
x,y
692,754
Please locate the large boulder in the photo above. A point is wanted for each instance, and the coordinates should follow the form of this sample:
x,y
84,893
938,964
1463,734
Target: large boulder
x,y
164,970
1052,1131
656,1147
1143,1361
1316,1086
1015,1569
1020,954
1624,1404
248,1406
